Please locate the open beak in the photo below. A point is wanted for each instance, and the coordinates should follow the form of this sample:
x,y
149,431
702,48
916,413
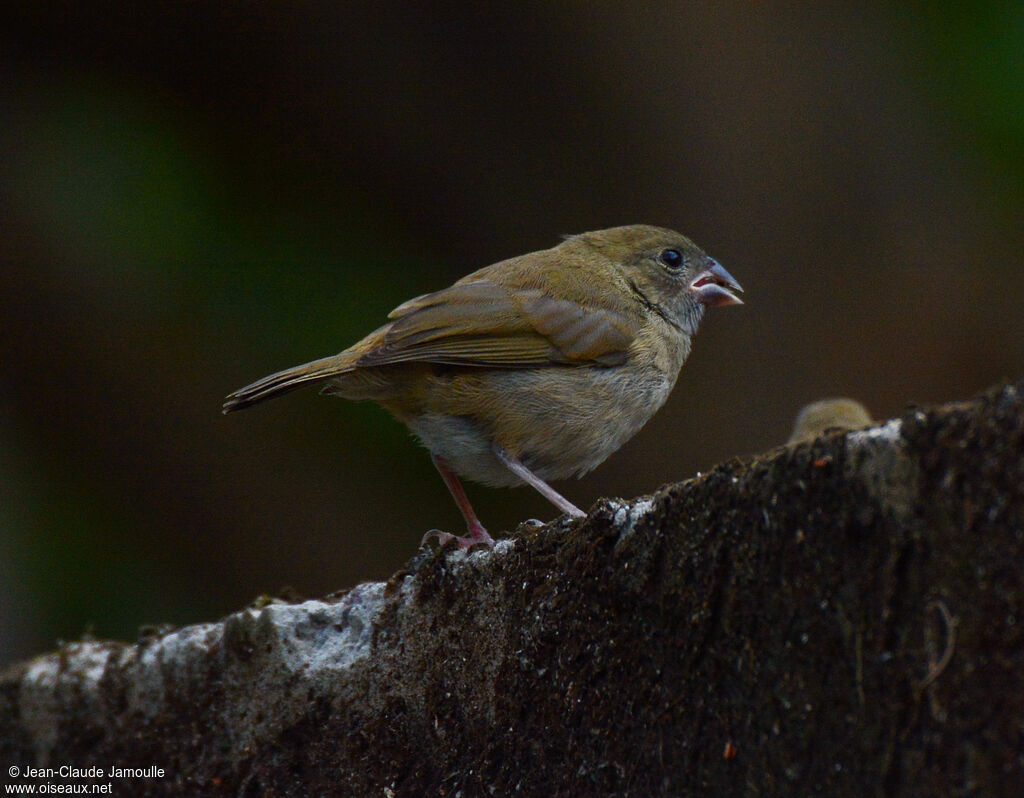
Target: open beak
x,y
714,287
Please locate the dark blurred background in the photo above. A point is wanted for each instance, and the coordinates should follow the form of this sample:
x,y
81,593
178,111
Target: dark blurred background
x,y
197,194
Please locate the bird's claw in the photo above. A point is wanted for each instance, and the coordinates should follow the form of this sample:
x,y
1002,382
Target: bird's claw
x,y
467,544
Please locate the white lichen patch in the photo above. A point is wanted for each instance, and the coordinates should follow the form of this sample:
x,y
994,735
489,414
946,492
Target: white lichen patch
x,y
289,653
76,670
627,516
39,705
890,431
878,459
181,647
481,557
93,659
316,635
172,655
502,547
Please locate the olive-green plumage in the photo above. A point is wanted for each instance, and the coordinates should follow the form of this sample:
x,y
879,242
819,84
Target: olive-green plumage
x,y
552,359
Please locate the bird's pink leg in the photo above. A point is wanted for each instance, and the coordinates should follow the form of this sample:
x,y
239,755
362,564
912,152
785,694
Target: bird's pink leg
x,y
541,486
477,534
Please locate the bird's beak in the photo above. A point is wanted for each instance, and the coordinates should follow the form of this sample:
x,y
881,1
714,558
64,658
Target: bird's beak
x,y
714,287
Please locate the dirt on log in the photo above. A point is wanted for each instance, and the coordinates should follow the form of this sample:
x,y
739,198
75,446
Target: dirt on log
x,y
841,617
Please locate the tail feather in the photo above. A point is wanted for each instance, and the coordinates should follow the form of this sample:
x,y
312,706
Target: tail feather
x,y
288,380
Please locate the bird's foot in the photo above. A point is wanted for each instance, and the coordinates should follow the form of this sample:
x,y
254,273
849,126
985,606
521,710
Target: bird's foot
x,y
476,538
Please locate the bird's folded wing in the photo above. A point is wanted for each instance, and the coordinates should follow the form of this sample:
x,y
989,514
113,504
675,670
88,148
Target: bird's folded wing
x,y
482,323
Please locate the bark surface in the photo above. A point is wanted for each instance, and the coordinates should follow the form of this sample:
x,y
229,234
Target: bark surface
x,y
840,617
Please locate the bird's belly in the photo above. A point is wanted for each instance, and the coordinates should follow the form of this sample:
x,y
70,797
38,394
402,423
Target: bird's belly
x,y
558,422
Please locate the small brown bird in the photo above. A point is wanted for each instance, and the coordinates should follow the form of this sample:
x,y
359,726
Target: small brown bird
x,y
836,414
534,368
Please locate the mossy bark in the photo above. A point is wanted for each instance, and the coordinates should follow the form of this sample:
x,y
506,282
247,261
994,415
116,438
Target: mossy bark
x,y
840,617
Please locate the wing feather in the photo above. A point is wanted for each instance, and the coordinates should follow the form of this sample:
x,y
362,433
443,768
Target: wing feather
x,y
482,323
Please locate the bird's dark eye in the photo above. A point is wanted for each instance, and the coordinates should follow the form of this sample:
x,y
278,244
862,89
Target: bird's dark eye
x,y
672,258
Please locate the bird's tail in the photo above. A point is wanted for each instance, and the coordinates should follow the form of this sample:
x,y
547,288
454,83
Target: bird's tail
x,y
289,380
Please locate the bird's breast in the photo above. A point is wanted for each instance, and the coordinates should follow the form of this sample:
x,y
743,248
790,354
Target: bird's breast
x,y
559,421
